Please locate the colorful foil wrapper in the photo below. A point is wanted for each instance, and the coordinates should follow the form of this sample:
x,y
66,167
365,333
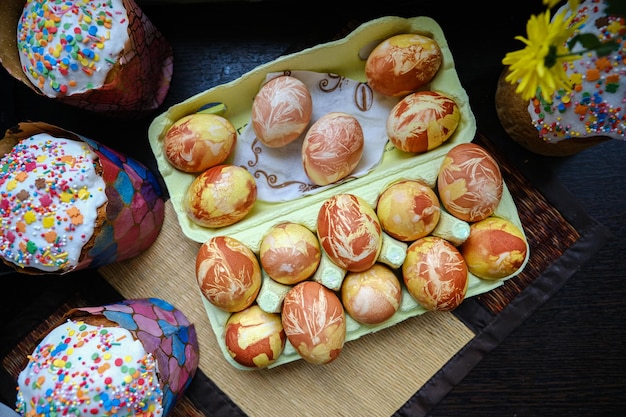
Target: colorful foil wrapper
x,y
135,207
142,80
165,332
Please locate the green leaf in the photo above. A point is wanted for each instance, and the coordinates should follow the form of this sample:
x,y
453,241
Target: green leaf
x,y
587,40
607,47
616,8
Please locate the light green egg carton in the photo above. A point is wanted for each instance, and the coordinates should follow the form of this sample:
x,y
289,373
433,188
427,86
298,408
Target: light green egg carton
x,y
345,57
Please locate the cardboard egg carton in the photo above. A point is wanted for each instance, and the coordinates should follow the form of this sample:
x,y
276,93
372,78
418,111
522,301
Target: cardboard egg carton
x,y
345,57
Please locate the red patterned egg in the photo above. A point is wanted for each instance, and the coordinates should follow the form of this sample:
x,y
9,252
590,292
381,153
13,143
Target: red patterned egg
x,y
290,253
314,321
495,248
371,296
349,232
228,273
469,182
220,196
422,121
199,141
435,274
402,64
281,111
408,210
254,338
332,148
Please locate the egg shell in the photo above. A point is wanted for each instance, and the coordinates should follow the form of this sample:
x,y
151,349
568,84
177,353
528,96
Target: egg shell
x,y
332,148
349,232
402,64
435,274
254,338
220,196
408,210
290,253
371,296
469,182
422,121
281,111
315,322
228,273
495,248
199,141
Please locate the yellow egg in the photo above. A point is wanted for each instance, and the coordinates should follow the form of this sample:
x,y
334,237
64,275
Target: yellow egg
x,y
220,196
199,141
290,253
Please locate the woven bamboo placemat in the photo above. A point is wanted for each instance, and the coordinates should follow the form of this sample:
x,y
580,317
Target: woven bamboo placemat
x,y
403,370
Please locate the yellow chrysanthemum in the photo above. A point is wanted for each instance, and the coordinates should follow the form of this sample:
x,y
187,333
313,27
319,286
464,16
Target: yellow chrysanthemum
x,y
529,67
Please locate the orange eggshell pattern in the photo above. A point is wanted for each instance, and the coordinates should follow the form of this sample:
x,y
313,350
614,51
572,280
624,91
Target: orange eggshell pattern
x,y
422,121
228,273
220,196
281,111
349,232
402,64
314,321
199,141
435,274
332,148
469,182
290,253
371,296
495,248
408,210
254,338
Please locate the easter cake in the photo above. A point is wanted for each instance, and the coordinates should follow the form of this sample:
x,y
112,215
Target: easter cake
x,y
136,357
69,203
101,55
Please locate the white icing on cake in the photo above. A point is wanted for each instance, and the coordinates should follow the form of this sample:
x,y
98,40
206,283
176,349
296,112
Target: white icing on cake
x,y
50,193
68,47
596,106
84,370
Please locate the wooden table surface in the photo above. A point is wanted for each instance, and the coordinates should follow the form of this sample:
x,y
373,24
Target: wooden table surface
x,y
569,356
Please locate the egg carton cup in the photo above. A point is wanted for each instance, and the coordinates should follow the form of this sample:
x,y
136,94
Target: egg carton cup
x,y
345,57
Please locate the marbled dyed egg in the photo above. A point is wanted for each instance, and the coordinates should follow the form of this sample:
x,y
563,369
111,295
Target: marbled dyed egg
x,y
314,321
220,196
371,296
332,148
435,274
199,141
422,121
290,253
408,210
469,182
281,111
349,232
402,64
254,338
495,248
228,273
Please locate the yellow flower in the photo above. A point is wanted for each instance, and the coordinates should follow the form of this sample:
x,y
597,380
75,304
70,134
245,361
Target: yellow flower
x,y
540,65
573,4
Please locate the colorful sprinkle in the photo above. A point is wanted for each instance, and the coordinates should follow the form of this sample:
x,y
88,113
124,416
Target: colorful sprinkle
x,y
58,39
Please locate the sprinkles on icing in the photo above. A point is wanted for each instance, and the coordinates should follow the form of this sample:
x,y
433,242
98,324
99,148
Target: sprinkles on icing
x,y
50,193
596,106
84,370
69,46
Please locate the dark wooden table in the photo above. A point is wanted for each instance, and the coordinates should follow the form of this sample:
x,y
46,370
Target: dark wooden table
x,y
569,356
